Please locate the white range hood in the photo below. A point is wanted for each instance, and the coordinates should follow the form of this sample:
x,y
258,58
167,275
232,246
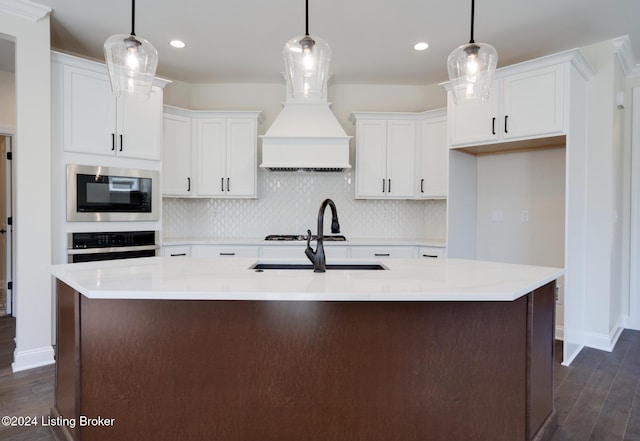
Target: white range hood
x,y
305,136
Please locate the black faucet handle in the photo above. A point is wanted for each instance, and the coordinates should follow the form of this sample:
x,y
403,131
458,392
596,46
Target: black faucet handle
x,y
308,238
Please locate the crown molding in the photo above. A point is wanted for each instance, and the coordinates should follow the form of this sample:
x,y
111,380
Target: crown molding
x,y
622,48
25,9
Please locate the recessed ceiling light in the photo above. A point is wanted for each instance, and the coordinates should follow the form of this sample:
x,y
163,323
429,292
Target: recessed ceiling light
x,y
177,44
421,46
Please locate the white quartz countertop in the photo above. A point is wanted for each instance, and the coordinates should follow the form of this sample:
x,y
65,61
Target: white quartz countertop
x,y
188,278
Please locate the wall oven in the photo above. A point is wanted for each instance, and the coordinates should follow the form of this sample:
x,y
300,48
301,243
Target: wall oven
x,y
112,194
94,246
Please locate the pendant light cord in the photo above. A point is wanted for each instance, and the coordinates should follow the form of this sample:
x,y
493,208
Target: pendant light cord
x,y
306,10
133,17
473,8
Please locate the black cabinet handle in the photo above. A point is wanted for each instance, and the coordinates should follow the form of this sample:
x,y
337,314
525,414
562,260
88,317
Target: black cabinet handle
x,y
120,142
493,125
383,186
422,185
188,184
227,254
432,256
506,127
178,254
221,184
113,142
228,184
389,185
381,254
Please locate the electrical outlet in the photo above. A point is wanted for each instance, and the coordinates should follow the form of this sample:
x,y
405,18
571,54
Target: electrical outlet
x,y
524,215
558,299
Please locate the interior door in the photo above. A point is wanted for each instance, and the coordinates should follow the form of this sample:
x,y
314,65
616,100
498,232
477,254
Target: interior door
x,y
5,230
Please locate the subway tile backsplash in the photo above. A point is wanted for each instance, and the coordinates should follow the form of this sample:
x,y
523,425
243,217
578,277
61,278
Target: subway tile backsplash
x,y
288,203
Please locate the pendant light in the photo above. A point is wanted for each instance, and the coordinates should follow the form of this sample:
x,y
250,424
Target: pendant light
x,y
471,68
306,61
131,61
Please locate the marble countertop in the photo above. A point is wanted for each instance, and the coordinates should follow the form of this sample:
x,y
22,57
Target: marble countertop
x,y
188,278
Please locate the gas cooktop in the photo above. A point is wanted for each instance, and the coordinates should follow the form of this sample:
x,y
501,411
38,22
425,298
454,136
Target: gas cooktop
x,y
300,237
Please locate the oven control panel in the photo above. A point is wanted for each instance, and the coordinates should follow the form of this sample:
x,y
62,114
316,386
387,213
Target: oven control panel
x,y
111,239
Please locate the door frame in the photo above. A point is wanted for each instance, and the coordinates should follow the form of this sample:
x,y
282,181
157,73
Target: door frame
x,y
634,261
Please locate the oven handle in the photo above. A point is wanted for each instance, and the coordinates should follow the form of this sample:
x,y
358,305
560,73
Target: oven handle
x,y
112,249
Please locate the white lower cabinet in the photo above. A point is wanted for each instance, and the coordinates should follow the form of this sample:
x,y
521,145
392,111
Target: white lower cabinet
x,y
224,251
176,250
296,251
384,252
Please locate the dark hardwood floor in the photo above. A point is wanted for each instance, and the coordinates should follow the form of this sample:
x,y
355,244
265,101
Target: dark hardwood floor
x,y
597,397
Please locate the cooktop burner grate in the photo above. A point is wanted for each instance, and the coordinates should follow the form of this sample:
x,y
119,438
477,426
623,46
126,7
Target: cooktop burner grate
x,y
300,237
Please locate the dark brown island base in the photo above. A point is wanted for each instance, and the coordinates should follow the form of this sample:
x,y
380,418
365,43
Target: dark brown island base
x,y
250,370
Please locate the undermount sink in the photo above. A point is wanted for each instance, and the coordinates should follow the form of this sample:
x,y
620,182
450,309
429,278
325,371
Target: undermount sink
x,y
372,266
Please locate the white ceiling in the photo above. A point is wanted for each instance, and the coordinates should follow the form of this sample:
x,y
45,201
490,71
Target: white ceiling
x,y
242,41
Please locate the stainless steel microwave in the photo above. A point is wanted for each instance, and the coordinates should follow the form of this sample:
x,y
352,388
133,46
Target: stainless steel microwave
x,y
112,194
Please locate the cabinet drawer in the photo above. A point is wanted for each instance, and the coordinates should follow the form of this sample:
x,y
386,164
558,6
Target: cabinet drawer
x,y
176,250
431,253
383,252
224,251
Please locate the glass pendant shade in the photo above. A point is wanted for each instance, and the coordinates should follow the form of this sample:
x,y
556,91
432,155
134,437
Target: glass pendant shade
x,y
306,61
132,63
471,68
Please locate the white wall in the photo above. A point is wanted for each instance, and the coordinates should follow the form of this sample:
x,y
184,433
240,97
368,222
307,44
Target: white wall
x,y
510,183
8,100
32,198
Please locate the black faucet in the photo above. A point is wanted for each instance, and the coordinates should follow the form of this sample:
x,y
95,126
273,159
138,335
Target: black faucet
x,y
317,257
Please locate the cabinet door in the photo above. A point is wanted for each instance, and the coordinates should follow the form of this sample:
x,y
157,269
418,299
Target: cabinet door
x,y
371,140
471,123
210,142
532,103
401,148
241,158
140,126
89,112
434,159
176,157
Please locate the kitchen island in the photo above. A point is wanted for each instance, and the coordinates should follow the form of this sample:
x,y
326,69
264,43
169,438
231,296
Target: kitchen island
x,y
201,349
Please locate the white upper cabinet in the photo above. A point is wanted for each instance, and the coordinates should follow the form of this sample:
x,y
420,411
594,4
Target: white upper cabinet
x,y
176,155
96,122
226,151
525,103
210,154
385,156
433,156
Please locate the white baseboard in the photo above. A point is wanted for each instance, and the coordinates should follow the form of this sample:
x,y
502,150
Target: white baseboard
x,y
33,358
603,342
